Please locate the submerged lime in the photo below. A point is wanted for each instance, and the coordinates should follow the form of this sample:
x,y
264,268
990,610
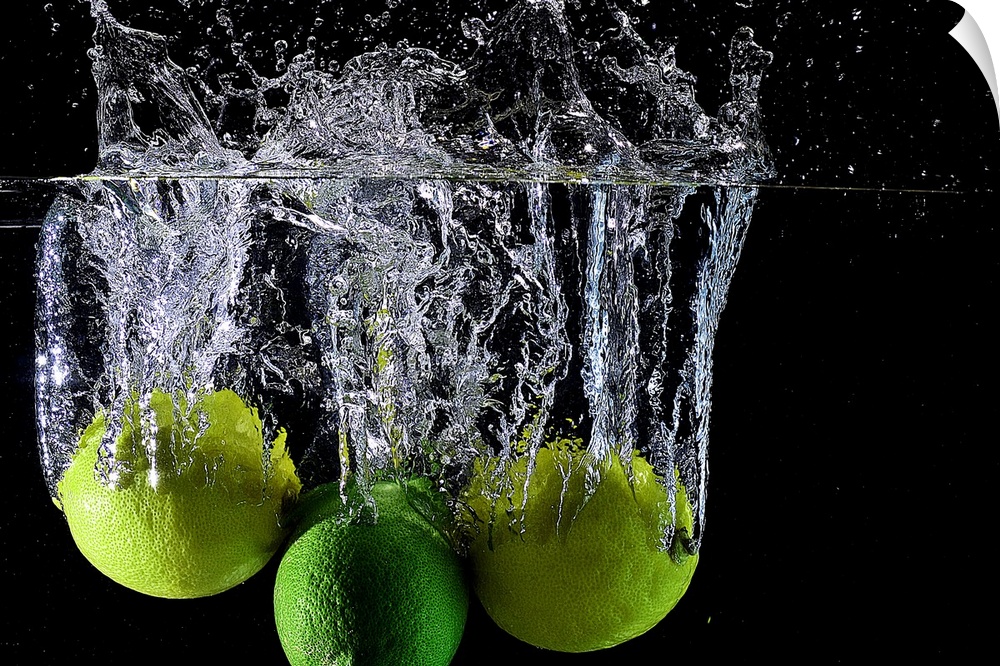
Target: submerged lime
x,y
574,575
350,591
191,511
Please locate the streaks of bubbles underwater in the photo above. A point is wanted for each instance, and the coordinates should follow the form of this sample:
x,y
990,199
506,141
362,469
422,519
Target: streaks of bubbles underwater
x,y
406,260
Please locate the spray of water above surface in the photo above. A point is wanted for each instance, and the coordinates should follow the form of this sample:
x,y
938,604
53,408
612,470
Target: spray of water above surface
x,y
536,99
409,260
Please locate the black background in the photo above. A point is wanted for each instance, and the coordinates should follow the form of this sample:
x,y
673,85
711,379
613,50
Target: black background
x,y
853,432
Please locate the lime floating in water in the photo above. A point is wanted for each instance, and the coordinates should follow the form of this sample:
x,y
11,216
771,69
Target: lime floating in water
x,y
351,591
571,575
191,511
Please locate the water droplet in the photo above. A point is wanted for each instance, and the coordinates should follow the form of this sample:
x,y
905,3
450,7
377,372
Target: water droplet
x,y
475,29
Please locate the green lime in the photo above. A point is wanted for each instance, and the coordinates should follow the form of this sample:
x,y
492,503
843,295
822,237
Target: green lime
x,y
571,574
188,512
354,591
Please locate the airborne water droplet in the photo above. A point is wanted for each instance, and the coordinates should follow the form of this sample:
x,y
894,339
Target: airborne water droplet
x,y
475,29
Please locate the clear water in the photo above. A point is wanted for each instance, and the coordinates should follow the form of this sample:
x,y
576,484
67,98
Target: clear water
x,y
850,392
408,261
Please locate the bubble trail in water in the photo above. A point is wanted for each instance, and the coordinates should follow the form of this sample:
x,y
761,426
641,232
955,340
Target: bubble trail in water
x,y
413,259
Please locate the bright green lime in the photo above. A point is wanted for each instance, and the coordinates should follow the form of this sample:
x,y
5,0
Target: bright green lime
x,y
353,592
573,576
189,513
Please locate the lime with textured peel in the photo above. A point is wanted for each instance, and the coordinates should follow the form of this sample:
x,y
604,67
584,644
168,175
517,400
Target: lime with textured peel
x,y
354,590
570,573
189,509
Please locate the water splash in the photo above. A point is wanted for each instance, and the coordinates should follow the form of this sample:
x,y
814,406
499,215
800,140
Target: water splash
x,y
536,100
409,260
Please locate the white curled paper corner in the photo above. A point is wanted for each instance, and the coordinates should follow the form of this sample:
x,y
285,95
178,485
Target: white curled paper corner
x,y
969,34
